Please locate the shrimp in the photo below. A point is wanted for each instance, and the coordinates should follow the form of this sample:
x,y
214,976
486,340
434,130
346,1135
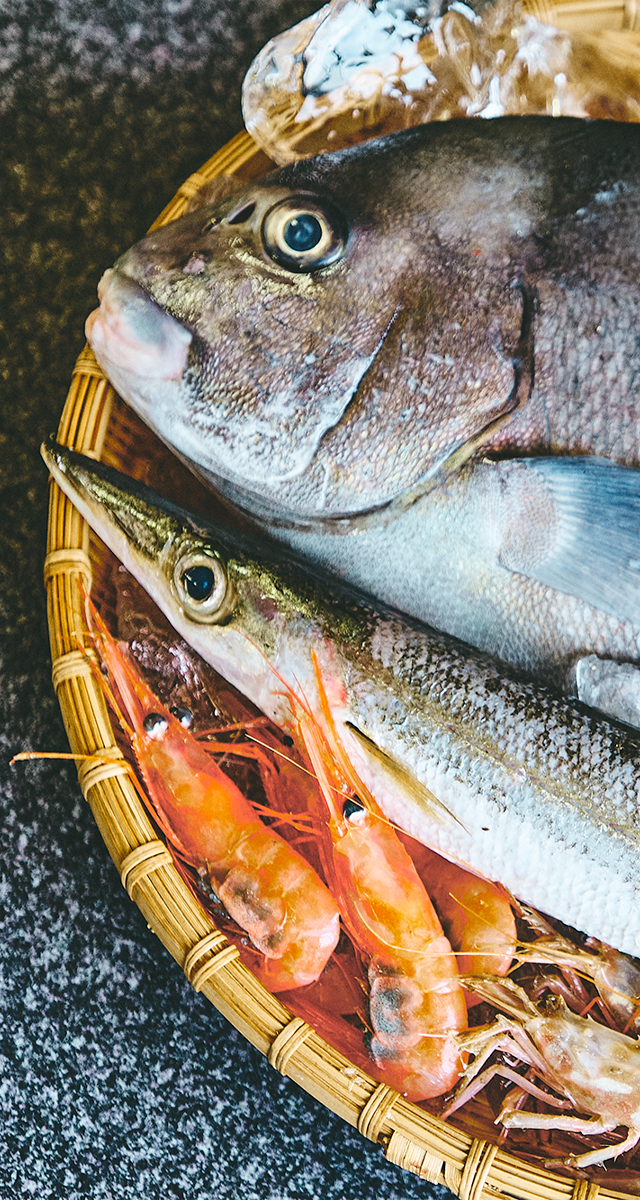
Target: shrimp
x,y
266,887
615,976
416,1003
476,915
595,1069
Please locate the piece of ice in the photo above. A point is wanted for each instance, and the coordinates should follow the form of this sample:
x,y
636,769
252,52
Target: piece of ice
x,y
495,107
467,12
360,68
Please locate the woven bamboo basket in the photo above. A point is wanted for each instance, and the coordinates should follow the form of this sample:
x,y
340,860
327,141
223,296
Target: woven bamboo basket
x,y
95,421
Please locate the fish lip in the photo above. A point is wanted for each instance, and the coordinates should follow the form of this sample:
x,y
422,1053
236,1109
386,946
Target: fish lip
x,y
142,528
155,527
130,332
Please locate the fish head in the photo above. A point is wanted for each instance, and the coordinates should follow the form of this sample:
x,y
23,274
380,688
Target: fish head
x,y
332,335
239,350
205,581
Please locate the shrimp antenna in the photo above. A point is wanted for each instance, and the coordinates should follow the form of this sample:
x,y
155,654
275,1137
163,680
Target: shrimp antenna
x,y
347,769
27,755
98,628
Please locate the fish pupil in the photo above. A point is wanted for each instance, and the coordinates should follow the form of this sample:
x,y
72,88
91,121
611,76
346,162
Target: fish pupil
x,y
199,582
303,232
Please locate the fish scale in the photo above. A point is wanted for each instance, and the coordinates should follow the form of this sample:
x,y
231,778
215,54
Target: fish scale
x,y
499,774
505,720
474,298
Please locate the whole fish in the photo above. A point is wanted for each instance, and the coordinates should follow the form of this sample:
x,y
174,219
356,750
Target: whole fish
x,y
503,776
377,352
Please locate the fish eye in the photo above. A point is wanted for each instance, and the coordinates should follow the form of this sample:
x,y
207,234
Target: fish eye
x,y
353,809
202,587
199,581
303,235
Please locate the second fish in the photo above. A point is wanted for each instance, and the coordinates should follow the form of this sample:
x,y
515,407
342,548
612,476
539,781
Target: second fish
x,y
505,777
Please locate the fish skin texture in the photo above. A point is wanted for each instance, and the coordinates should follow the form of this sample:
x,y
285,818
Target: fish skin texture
x,y
538,792
469,558
545,800
487,305
491,269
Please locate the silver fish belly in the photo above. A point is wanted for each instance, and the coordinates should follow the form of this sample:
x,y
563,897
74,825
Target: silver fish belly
x,y
536,561
339,345
528,789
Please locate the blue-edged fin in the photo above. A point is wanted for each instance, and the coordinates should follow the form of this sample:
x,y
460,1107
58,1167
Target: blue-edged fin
x,y
572,524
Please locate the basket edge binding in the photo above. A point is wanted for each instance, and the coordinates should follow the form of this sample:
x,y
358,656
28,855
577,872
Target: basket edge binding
x,y
412,1139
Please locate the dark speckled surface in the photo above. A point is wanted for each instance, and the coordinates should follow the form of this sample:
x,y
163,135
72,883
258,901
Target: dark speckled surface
x,y
116,1079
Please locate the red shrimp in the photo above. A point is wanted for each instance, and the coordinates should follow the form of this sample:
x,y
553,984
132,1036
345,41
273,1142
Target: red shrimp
x,y
416,1003
476,915
269,889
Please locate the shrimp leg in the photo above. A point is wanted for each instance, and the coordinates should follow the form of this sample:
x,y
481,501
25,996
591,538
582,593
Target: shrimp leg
x,y
595,1068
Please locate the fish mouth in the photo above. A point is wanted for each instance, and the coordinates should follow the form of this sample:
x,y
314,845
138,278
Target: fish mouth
x,y
129,332
130,518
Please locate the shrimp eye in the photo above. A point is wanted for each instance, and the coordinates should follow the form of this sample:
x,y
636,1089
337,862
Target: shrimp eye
x,y
155,725
183,714
302,234
202,587
353,809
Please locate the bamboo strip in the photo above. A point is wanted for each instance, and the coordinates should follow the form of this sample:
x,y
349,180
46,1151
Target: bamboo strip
x,y
583,1190
141,862
287,1042
476,1169
471,1167
376,1111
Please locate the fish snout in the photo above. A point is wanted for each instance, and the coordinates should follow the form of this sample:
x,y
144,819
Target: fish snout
x,y
129,331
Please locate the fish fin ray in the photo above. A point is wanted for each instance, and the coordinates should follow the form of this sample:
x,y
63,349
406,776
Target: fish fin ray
x,y
573,524
408,782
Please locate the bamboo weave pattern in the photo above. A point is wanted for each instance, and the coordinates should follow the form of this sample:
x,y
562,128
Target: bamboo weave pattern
x,y
414,1140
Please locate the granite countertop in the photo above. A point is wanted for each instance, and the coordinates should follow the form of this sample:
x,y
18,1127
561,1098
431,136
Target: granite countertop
x,y
117,1080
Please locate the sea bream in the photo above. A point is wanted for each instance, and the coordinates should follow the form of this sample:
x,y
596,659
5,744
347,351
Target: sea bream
x,y
526,788
417,361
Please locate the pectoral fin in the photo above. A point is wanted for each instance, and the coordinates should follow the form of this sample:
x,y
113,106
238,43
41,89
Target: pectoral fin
x,y
570,523
398,775
612,687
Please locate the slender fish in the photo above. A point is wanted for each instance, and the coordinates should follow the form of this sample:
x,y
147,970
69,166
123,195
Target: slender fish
x,y
501,775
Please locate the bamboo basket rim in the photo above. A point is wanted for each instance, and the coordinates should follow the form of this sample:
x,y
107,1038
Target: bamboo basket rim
x,y
470,1167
